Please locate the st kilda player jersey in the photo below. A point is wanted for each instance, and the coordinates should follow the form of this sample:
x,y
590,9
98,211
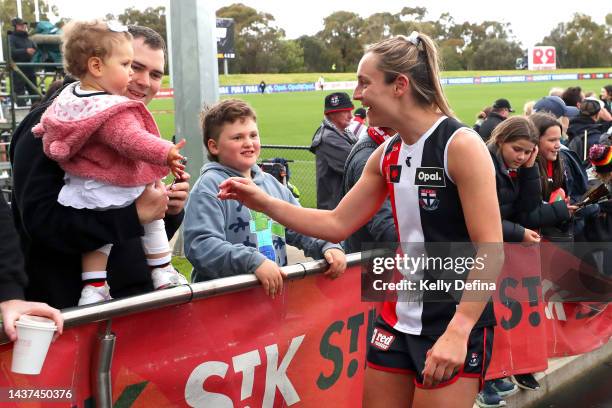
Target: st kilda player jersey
x,y
427,209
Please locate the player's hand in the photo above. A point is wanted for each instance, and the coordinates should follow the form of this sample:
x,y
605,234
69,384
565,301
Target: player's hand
x,y
245,191
271,277
445,358
175,159
337,262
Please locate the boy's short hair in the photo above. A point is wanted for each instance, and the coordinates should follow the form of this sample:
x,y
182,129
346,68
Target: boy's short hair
x,y
83,40
213,118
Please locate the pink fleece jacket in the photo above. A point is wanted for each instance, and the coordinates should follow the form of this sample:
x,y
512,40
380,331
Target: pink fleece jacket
x,y
108,138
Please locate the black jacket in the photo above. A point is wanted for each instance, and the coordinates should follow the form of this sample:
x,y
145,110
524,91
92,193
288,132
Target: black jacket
x,y
54,237
12,276
577,127
557,214
19,42
486,128
381,228
515,197
331,148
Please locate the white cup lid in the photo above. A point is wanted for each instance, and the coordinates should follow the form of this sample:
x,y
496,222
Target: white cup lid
x,y
36,322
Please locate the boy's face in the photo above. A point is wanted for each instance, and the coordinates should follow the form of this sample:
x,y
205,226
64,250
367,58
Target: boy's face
x,y
238,146
117,69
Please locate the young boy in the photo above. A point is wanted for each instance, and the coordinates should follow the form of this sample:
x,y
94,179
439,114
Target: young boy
x,y
225,238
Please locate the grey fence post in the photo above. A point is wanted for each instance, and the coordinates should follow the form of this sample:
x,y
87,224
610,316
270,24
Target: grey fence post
x,y
194,75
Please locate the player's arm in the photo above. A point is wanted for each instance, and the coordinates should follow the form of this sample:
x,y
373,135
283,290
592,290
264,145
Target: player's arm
x,y
355,209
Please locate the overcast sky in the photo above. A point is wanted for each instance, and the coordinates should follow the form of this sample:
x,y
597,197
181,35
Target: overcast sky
x,y
530,20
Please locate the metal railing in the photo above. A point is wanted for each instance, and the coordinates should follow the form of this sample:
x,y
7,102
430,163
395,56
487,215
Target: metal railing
x,y
78,316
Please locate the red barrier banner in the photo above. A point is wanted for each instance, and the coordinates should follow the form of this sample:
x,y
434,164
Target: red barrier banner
x,y
305,347
534,324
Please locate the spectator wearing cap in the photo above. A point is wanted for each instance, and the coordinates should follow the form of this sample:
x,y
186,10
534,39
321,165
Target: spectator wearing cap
x,y
22,49
358,126
331,144
500,111
556,106
585,127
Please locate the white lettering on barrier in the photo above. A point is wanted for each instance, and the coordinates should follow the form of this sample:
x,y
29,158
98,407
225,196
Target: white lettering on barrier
x,y
551,304
197,396
245,364
276,377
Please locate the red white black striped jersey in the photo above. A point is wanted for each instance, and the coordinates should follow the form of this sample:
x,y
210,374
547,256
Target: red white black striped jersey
x,y
427,209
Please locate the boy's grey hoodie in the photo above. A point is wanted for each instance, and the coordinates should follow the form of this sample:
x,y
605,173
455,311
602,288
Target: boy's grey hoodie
x,y
217,235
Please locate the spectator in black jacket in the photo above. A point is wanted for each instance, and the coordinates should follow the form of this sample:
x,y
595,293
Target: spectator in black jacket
x,y
585,126
500,111
13,279
513,147
53,237
22,49
381,228
606,97
559,169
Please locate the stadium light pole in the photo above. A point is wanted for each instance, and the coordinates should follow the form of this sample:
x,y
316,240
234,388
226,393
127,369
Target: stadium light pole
x,y
195,75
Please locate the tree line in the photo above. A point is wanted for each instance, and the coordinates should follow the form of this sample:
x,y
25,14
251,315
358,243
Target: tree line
x,y
262,46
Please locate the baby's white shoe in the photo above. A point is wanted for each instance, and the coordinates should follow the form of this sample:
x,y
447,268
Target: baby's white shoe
x,y
167,277
94,294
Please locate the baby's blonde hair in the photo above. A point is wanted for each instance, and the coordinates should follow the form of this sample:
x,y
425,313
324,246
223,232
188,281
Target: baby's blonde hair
x,y
83,40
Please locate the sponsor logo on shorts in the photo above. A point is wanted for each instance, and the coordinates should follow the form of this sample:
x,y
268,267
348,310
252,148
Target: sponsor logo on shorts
x,y
382,339
429,177
474,360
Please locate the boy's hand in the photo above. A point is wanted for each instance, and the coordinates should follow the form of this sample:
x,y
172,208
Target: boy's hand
x,y
337,263
271,277
175,159
532,157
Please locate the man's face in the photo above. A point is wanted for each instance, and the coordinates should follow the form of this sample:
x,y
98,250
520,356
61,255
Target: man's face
x,y
341,119
148,67
21,27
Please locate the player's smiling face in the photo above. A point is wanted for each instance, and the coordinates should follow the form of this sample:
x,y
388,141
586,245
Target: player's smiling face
x,y
375,95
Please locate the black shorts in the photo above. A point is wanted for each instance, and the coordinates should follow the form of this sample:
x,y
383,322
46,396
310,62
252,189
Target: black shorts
x,y
394,351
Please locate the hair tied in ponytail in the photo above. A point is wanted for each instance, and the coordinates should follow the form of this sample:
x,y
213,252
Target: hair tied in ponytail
x,y
414,38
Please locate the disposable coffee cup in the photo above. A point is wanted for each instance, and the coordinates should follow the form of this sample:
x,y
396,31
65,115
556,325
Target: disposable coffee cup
x,y
34,334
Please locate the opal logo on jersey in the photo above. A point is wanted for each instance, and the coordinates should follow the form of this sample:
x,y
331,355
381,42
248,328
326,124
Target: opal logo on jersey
x,y
382,339
428,199
429,177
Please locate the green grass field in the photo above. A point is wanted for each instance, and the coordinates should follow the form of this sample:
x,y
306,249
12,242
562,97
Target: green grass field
x,y
253,79
292,118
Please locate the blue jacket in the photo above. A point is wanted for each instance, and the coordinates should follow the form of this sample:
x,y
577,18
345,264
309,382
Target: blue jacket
x,y
218,236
